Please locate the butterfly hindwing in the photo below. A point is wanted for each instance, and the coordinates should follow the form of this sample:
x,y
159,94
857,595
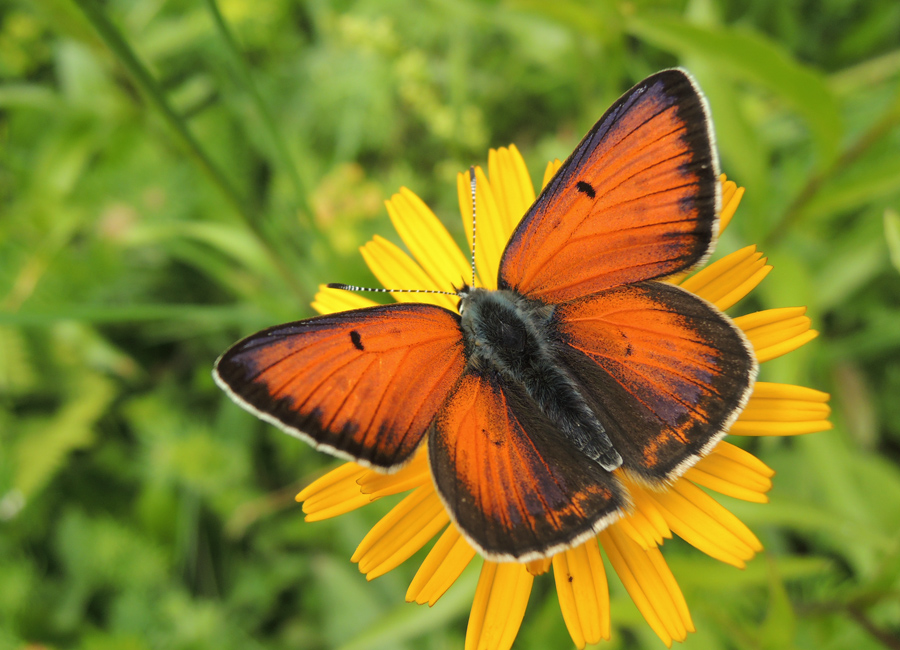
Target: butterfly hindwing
x,y
513,486
636,200
362,384
665,372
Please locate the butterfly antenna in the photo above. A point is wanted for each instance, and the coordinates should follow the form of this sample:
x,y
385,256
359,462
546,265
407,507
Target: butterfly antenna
x,y
351,287
472,181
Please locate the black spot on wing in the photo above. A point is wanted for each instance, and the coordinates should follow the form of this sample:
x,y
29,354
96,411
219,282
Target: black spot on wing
x,y
356,339
586,188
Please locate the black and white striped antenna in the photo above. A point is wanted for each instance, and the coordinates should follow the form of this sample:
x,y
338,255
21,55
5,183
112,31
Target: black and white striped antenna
x,y
472,182
353,287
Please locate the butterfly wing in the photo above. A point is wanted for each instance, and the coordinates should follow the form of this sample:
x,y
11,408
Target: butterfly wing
x,y
363,384
636,200
664,371
514,487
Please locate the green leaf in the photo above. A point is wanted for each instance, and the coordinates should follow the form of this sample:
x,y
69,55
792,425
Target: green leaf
x,y
867,182
43,448
749,56
780,625
807,518
102,551
228,239
30,96
696,573
852,262
16,370
892,236
876,475
196,314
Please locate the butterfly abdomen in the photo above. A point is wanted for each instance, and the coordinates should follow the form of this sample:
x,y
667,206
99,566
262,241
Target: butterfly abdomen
x,y
508,334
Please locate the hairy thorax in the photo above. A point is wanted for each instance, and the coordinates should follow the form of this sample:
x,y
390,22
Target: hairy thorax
x,y
507,334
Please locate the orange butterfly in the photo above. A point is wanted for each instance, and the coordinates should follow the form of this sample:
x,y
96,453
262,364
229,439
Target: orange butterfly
x,y
579,366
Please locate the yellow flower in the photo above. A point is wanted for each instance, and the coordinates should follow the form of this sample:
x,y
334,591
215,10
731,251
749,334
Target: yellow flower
x,y
630,543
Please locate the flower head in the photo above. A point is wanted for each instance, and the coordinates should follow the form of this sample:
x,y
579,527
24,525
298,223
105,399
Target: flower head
x,y
631,543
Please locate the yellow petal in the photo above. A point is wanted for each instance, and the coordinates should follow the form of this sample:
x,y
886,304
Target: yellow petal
x,y
651,531
725,485
331,301
718,513
428,240
397,270
511,184
567,600
729,461
772,402
691,530
779,428
731,470
698,519
443,565
490,238
735,453
775,332
725,282
499,606
550,171
645,507
731,198
650,584
401,532
673,590
639,529
783,409
759,410
583,593
538,567
413,475
764,390
343,473
334,494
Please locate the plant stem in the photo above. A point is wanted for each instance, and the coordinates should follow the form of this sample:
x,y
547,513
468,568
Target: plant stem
x,y
276,141
795,210
886,639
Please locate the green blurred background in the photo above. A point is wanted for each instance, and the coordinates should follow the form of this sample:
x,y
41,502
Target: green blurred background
x,y
176,175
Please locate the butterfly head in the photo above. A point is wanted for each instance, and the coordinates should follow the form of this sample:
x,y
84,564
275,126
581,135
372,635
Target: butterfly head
x,y
464,292
499,319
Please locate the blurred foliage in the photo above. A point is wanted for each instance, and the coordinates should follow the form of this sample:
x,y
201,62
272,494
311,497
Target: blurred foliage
x,y
173,178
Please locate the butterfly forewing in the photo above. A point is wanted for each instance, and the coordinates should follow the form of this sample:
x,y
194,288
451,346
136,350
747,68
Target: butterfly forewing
x,y
511,483
363,384
665,372
636,200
